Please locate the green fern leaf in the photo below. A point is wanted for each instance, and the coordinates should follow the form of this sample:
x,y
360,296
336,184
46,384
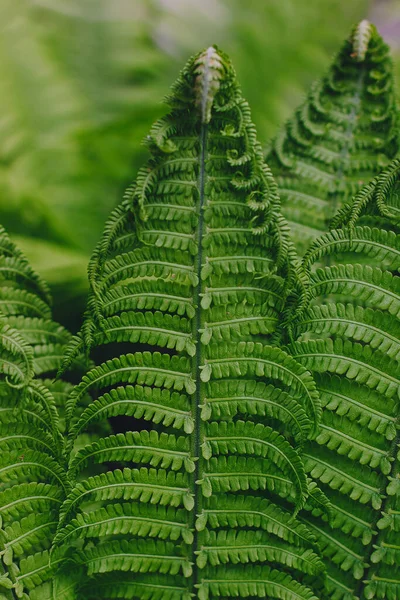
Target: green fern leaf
x,y
33,480
135,519
16,357
152,404
368,326
372,286
29,496
341,137
129,585
166,451
373,244
352,314
256,581
188,286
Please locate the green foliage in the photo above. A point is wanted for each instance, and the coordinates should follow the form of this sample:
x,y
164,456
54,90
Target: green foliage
x,y
80,83
32,478
33,465
339,138
347,334
191,275
237,467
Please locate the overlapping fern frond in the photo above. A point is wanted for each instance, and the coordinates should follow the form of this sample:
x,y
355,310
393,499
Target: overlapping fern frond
x,y
187,288
33,479
341,137
378,202
349,337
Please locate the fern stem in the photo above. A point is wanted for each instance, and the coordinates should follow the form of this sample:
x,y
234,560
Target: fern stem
x,y
198,359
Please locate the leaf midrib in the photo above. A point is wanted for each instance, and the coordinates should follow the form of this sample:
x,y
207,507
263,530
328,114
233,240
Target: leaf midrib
x,y
198,359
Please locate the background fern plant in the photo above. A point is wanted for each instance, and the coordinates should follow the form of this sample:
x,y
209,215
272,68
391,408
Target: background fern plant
x,y
349,337
193,269
33,478
339,138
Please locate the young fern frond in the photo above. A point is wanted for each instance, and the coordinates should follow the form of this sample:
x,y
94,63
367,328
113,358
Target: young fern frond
x,y
188,285
341,137
348,335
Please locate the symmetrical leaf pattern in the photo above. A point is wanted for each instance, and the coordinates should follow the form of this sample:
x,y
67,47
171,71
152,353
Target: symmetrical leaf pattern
x,y
349,337
188,285
341,137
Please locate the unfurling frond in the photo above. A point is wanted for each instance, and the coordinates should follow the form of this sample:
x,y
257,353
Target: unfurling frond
x,y
340,138
188,286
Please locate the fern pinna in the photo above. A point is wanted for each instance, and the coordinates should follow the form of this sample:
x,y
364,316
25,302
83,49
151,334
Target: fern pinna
x,y
339,138
33,479
349,337
188,285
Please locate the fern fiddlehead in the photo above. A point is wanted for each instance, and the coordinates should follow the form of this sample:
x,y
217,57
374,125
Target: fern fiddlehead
x,y
191,277
349,337
341,137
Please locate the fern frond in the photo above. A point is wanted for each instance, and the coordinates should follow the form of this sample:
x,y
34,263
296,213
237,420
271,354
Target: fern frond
x,y
145,295
35,570
25,497
158,405
188,286
255,440
148,485
166,451
33,480
160,370
15,268
31,531
255,360
343,135
237,397
348,336
141,556
233,511
16,357
15,301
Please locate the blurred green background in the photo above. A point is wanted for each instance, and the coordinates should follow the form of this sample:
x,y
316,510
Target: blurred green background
x,y
81,82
